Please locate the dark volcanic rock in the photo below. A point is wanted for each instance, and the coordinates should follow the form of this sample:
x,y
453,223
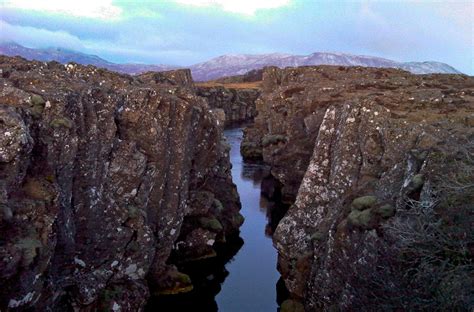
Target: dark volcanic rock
x,y
379,165
178,77
237,104
97,173
254,75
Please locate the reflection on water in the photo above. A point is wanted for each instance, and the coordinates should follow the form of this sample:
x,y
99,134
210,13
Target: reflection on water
x,y
244,276
252,281
207,276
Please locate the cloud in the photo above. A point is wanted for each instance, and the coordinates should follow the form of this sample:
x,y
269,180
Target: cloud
x,y
248,7
184,32
37,37
100,9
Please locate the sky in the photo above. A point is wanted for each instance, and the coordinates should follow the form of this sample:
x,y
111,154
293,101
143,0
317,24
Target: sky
x,y
185,32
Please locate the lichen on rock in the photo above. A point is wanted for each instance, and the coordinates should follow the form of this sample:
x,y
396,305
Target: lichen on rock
x,y
95,187
359,160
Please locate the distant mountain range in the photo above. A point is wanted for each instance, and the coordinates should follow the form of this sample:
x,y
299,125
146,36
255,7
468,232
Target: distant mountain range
x,y
64,56
227,65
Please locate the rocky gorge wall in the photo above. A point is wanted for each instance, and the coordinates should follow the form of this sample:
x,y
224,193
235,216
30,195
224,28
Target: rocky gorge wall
x,y
102,177
238,104
378,164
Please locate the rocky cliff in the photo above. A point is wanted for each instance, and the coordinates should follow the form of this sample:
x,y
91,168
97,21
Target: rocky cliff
x,y
102,177
378,164
238,104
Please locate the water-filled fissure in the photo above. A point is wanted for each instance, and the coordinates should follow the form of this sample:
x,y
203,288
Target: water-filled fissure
x,y
243,276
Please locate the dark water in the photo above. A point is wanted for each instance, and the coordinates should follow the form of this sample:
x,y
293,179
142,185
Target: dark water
x,y
243,277
251,284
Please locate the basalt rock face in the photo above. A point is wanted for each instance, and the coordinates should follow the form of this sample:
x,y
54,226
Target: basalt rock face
x,y
254,75
99,174
379,164
178,77
238,104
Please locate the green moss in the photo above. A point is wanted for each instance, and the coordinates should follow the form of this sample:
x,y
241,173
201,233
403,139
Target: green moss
x,y
37,105
385,211
238,220
174,291
178,283
273,139
30,248
317,236
364,202
211,224
38,189
36,100
218,205
61,122
361,218
417,181
133,212
183,278
50,178
290,305
420,155
251,151
36,111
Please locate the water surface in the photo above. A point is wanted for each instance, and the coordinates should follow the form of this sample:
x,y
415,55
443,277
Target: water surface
x,y
243,277
252,279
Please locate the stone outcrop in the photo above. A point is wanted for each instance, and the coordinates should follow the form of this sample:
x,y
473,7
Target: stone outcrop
x,y
102,176
378,164
178,77
238,104
254,75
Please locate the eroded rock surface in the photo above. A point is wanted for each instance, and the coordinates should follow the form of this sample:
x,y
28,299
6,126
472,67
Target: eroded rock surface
x,y
99,174
378,164
238,104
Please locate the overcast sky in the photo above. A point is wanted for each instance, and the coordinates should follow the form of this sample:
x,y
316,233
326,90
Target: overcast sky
x,y
183,32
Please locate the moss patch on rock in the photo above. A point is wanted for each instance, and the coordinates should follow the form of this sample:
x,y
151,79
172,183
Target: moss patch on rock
x,y
385,211
133,212
30,248
273,139
251,151
37,189
417,181
290,305
210,223
218,205
36,105
317,236
361,219
364,202
174,283
238,220
61,122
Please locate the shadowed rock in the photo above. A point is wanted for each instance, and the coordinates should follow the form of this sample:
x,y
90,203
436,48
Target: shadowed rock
x,y
98,172
370,160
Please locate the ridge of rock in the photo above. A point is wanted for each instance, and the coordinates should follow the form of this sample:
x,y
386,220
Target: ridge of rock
x,y
102,177
374,161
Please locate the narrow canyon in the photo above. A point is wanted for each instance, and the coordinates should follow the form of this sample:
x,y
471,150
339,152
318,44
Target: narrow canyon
x,y
317,188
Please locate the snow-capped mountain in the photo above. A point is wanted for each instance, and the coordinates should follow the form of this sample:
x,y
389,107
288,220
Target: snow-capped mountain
x,y
64,56
228,65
